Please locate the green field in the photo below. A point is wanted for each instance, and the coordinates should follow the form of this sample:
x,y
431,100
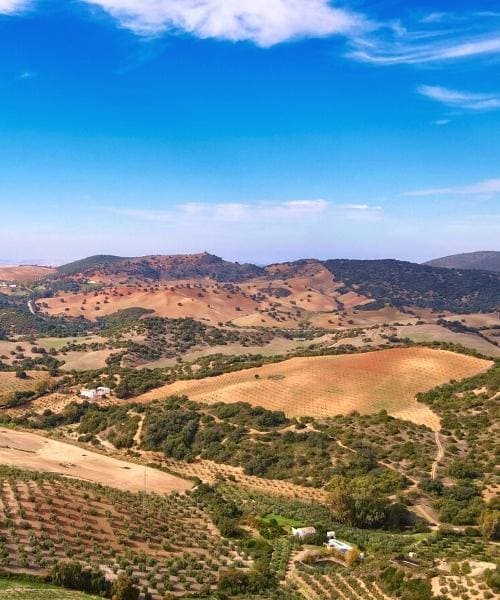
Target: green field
x,y
282,521
27,590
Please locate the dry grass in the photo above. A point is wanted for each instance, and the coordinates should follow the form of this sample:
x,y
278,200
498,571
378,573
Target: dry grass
x,y
431,332
24,273
83,361
30,451
331,385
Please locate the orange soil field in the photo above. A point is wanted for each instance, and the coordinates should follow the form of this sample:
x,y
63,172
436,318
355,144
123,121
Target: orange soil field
x,y
24,273
330,385
30,451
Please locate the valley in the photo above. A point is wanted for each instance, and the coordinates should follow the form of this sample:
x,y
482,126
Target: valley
x,y
354,396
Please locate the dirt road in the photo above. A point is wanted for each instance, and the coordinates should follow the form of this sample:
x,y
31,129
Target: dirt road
x,y
439,455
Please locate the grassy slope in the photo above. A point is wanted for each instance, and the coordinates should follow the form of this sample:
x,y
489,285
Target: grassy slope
x,y
19,589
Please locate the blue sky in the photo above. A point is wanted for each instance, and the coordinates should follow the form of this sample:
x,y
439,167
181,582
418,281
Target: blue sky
x,y
259,130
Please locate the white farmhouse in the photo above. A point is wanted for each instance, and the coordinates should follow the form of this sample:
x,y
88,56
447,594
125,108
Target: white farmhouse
x,y
95,393
302,532
103,391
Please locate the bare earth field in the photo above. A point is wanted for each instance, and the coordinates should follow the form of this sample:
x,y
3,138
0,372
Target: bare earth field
x,y
83,361
332,385
30,451
9,350
430,332
257,302
276,346
24,273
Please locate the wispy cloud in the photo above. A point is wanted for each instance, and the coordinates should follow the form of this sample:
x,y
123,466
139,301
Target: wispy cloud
x,y
480,188
230,211
405,52
361,207
436,37
264,22
441,122
11,7
26,75
462,100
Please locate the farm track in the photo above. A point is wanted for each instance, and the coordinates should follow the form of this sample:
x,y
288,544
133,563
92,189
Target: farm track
x,y
439,455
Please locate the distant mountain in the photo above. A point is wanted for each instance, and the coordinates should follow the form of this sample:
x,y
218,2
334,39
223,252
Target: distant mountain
x,y
393,282
484,261
161,268
99,261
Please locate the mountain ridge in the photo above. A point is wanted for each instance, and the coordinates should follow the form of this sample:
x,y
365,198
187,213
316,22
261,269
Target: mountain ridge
x,y
483,260
385,281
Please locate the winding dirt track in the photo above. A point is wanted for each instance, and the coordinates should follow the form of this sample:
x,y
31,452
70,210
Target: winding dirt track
x,y
439,455
30,451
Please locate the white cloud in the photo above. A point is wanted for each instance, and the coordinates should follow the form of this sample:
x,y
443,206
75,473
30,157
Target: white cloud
x,y
10,7
264,22
441,122
360,207
405,52
463,100
229,211
480,188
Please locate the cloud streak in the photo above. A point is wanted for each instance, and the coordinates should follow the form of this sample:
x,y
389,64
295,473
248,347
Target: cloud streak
x,y
383,53
480,188
230,211
263,22
462,100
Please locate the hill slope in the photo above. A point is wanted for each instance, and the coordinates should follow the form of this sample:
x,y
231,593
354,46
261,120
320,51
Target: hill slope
x,y
159,267
409,284
305,285
485,261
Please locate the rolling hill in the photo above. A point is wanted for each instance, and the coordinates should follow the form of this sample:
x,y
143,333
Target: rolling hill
x,y
160,268
373,283
484,261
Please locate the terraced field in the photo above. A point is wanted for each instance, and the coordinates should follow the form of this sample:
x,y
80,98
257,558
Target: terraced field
x,y
10,384
335,586
210,472
331,385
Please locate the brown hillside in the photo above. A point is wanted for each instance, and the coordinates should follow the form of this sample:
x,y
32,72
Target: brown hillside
x,y
331,385
24,273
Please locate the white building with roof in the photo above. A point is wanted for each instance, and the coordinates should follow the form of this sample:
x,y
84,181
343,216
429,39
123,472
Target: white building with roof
x,y
302,532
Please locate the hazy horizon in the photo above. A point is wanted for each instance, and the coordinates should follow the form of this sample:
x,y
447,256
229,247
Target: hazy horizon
x,y
57,263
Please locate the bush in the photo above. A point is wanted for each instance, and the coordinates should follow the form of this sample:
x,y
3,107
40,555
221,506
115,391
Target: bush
x,y
124,588
72,575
